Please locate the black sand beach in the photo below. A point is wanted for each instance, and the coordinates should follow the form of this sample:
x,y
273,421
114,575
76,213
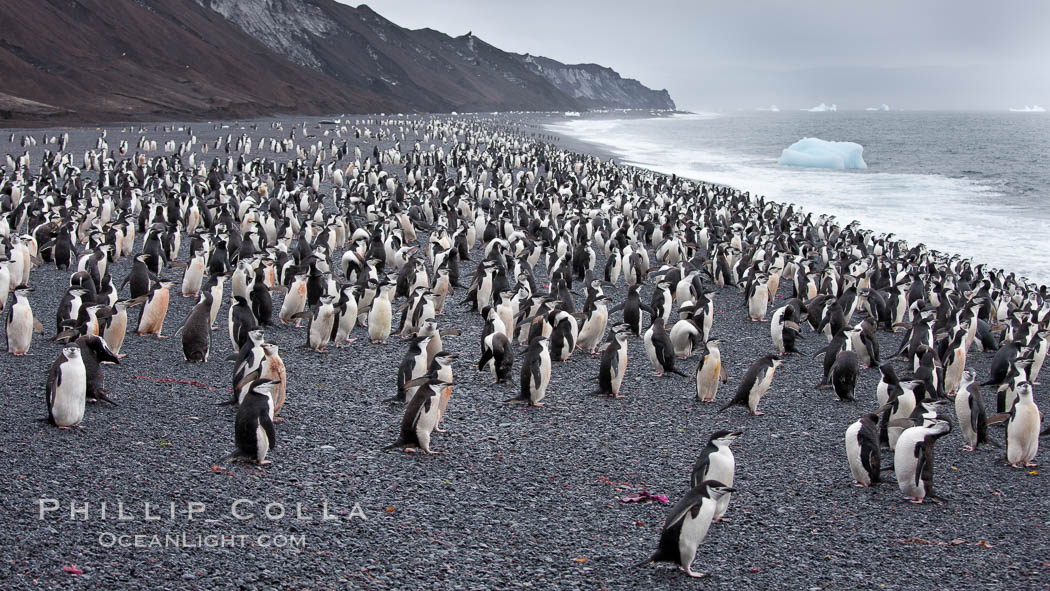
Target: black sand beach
x,y
519,498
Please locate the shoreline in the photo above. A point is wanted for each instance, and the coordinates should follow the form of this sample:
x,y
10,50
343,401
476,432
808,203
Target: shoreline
x,y
622,156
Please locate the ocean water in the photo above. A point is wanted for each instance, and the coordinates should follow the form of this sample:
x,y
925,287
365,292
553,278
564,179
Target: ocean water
x,y
976,184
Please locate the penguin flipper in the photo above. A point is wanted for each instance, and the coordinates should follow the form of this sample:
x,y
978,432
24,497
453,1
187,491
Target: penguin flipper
x,y
998,418
486,355
921,465
973,403
873,352
267,426
872,466
723,373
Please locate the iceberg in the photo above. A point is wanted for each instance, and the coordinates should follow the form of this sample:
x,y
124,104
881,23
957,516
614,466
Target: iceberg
x,y
822,108
882,107
770,108
817,153
1027,109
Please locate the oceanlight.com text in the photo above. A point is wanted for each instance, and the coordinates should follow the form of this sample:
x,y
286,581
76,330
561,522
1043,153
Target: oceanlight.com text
x,y
186,541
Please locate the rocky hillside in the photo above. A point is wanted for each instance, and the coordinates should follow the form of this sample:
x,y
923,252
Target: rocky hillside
x,y
597,87
156,59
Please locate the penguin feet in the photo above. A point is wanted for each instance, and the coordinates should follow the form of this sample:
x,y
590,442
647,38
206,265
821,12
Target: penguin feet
x,y
692,573
758,413
658,374
1030,464
915,500
440,430
968,448
264,463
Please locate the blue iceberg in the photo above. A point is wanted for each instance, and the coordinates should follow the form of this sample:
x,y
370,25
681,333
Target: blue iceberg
x,y
817,153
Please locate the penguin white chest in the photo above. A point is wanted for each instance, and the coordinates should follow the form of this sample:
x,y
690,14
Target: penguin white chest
x,y
905,463
708,377
694,530
20,328
776,332
114,335
856,467
154,313
321,331
758,302
621,365
759,389
1022,433
262,443
67,408
722,467
540,389
379,319
962,412
882,392
650,350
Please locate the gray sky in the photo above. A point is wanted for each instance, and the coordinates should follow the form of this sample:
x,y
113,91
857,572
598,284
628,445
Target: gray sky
x,y
742,54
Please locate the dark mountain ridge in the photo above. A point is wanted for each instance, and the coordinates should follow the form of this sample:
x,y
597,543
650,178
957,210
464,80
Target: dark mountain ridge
x,y
122,60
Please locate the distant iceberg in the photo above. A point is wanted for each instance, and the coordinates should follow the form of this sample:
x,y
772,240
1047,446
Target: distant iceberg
x,y
1027,109
770,108
822,108
572,113
882,107
817,153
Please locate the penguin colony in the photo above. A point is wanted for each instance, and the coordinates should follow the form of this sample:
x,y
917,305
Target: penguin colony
x,y
379,258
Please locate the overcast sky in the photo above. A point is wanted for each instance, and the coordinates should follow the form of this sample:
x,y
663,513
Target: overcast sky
x,y
745,53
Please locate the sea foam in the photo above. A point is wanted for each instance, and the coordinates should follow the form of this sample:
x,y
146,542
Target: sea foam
x,y
813,152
